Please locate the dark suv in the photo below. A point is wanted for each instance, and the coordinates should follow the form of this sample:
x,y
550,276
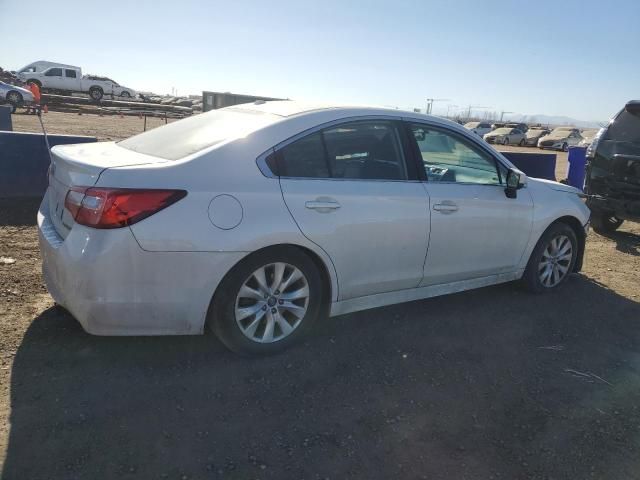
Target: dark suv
x,y
613,171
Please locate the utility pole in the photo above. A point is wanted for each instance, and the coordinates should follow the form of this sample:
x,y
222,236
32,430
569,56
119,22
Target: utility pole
x,y
430,101
473,106
502,114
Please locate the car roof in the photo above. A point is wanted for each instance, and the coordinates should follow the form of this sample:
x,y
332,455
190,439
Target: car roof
x,y
293,108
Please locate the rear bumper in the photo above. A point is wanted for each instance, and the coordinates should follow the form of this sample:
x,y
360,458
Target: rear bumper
x,y
113,287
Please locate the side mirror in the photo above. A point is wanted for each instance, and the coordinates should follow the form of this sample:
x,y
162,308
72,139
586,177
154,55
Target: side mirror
x,y
514,183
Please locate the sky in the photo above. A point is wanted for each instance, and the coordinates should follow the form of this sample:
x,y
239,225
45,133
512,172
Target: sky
x,y
556,57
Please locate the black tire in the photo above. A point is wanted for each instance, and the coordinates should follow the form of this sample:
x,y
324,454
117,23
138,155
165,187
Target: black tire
x,y
565,147
604,222
521,143
96,93
14,99
531,278
221,317
506,141
125,94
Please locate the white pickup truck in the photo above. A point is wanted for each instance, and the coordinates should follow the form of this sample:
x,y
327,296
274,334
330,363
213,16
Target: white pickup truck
x,y
67,78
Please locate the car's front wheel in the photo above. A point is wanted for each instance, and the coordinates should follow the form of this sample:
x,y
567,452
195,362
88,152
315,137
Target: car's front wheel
x,y
565,147
552,259
267,302
506,141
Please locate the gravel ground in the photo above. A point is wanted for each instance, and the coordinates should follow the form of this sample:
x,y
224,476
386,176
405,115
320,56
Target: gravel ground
x,y
493,383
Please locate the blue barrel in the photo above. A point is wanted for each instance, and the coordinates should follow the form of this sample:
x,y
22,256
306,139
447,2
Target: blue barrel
x,y
577,166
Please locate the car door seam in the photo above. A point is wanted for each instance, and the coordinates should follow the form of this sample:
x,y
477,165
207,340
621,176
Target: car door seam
x,y
337,293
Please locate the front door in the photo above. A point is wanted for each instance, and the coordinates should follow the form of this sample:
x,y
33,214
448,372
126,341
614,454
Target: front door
x,y
351,191
476,231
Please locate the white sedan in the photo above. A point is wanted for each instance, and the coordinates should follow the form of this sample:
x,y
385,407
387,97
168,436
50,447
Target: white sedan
x,y
257,220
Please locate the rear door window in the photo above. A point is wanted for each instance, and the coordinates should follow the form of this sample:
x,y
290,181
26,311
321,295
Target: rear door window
x,y
367,150
359,150
70,73
304,158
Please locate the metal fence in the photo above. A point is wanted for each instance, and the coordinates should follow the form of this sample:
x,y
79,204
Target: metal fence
x,y
214,100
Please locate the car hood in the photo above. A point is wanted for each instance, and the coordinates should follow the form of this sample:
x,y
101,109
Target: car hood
x,y
556,137
557,186
534,134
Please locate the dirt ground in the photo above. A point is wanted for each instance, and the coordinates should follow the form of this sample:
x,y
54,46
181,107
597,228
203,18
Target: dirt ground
x,y
107,127
494,383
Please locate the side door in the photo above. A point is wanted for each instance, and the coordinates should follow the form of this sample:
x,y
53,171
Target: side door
x,y
352,191
72,79
52,78
476,231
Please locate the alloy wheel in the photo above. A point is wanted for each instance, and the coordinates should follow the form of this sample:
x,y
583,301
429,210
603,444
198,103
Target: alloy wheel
x,y
555,262
272,302
14,97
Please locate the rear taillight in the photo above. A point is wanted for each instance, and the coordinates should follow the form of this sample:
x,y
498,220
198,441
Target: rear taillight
x,y
99,207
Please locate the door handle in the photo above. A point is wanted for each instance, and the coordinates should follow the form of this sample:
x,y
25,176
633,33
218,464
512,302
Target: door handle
x,y
322,205
445,207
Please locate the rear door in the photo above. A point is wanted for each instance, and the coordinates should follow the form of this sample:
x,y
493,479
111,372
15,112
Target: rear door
x,y
72,79
476,231
351,191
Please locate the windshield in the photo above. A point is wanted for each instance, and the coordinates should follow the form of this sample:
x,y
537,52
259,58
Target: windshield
x,y
179,139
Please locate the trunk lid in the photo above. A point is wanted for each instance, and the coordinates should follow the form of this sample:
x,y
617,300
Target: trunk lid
x,y
81,166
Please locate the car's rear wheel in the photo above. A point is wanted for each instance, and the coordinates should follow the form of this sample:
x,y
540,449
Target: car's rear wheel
x,y
552,259
603,222
267,302
521,143
125,94
96,93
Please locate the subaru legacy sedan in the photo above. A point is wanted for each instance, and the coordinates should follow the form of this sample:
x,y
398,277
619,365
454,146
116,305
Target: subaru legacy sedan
x,y
256,221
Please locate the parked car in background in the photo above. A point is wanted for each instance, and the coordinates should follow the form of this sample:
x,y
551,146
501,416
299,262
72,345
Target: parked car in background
x,y
534,134
69,79
505,136
523,127
15,96
587,136
479,128
498,125
244,220
560,138
613,171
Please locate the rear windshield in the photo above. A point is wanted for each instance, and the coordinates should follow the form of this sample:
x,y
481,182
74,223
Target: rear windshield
x,y
179,139
625,128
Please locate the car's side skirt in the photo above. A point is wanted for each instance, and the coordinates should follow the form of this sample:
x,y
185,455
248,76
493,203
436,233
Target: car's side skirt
x,y
401,296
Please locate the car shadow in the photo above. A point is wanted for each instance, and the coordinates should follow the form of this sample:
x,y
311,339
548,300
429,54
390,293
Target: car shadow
x,y
626,242
478,384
